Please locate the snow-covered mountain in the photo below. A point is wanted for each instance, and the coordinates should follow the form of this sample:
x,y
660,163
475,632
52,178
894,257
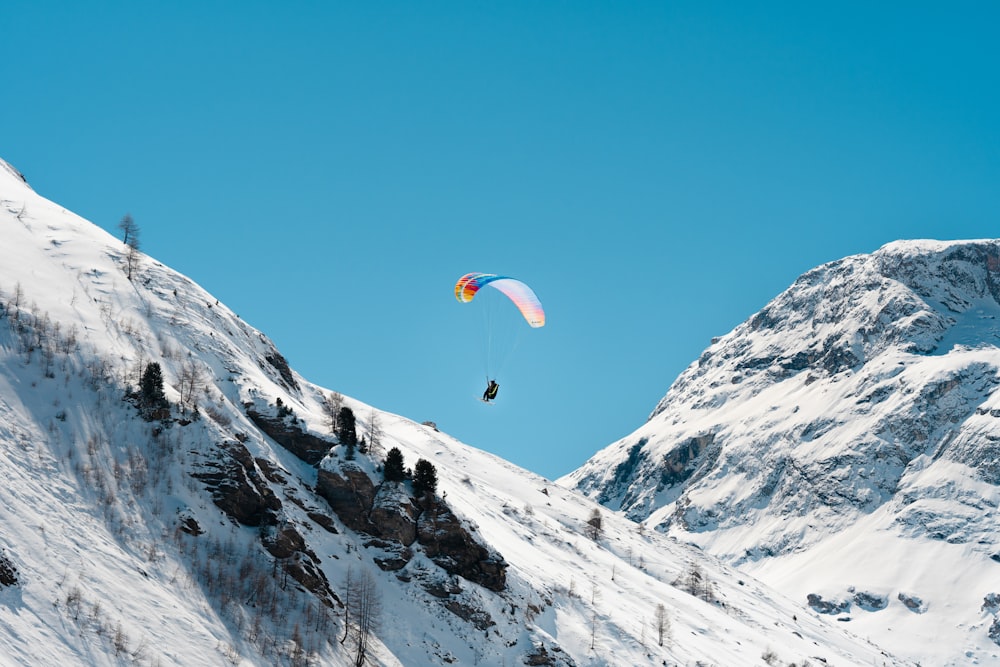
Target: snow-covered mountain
x,y
173,495
843,445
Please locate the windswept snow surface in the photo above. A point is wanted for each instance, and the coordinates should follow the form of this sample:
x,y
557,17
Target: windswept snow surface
x,y
842,443
97,506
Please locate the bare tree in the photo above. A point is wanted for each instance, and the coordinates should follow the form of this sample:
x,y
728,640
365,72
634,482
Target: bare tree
x,y
595,596
662,624
348,601
15,302
192,380
363,614
130,230
695,582
130,236
132,257
375,434
594,525
331,408
298,657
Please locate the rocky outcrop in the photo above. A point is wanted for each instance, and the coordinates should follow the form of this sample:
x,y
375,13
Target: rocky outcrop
x,y
8,571
451,545
238,488
994,631
280,364
286,431
286,544
543,656
828,606
394,515
912,602
351,493
391,515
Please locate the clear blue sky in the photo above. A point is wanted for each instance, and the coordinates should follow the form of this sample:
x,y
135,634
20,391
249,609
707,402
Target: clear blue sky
x,y
657,171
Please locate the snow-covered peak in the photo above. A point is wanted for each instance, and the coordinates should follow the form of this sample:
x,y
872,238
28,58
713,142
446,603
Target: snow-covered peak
x,y
853,418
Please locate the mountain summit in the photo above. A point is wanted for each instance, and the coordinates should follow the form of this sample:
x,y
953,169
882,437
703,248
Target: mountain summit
x,y
842,444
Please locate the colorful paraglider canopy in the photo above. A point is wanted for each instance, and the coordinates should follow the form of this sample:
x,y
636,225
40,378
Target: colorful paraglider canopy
x,y
522,295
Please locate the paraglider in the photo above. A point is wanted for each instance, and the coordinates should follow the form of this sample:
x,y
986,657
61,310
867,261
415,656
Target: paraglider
x,y
491,391
517,293
522,295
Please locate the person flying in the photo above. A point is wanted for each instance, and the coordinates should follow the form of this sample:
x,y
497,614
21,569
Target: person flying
x,y
491,391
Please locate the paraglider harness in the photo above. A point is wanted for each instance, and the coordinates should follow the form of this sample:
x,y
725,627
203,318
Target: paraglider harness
x,y
491,391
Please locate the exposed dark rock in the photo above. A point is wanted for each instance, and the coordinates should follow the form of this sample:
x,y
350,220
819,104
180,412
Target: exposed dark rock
x,y
870,601
238,488
324,521
542,657
912,602
393,515
389,514
272,472
395,559
8,571
280,364
190,526
623,471
287,545
448,542
442,589
678,466
287,433
477,617
350,492
994,631
827,606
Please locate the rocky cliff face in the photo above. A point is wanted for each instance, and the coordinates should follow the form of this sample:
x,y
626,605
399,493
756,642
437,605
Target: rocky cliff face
x,y
827,403
388,513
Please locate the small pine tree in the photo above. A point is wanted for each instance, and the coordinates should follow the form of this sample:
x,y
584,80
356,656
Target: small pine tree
x,y
424,478
346,431
151,395
393,470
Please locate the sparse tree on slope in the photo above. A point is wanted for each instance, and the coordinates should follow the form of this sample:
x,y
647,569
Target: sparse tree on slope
x,y
192,380
392,470
331,408
130,235
130,230
363,613
424,478
374,435
595,525
662,624
346,431
151,395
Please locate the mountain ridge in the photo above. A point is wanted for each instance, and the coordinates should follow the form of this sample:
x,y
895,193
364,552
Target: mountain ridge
x,y
856,411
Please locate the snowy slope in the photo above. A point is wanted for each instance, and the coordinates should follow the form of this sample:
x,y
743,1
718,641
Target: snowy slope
x,y
122,552
842,443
